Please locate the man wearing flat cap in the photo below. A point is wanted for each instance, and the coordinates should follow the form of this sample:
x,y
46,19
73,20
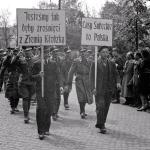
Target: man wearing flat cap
x,y
55,58
107,79
26,85
65,67
45,105
81,68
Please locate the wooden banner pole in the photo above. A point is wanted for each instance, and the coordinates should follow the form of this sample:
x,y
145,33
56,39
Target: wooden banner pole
x,y
42,69
96,50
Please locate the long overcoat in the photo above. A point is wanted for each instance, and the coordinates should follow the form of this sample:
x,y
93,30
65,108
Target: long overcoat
x,y
127,88
113,78
24,80
107,79
144,77
11,90
81,69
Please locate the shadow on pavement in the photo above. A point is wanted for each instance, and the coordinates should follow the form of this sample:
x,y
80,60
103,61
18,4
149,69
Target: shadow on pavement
x,y
129,138
65,143
68,122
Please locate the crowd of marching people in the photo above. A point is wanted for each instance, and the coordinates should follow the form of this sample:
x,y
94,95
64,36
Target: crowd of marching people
x,y
21,78
21,75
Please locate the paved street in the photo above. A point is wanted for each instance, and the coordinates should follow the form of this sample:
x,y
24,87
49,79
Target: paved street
x,y
127,129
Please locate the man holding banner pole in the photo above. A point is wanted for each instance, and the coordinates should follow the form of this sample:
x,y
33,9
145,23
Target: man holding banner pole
x,y
105,81
55,58
45,91
103,73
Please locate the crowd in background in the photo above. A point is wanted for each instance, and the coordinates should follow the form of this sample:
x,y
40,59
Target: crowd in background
x,y
134,72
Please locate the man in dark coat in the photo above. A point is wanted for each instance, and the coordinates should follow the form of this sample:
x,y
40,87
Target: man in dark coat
x,y
45,105
3,54
107,79
144,79
65,67
12,82
119,65
58,93
26,85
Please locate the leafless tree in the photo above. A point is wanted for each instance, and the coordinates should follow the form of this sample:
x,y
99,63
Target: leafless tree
x,y
5,28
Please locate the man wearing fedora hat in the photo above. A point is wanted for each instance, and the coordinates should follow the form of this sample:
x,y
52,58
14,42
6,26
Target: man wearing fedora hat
x,y
45,105
107,79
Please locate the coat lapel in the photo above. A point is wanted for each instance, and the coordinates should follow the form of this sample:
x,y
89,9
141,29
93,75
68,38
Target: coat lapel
x,y
100,66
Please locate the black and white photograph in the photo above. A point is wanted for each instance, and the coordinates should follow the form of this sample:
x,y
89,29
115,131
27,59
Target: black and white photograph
x,y
75,75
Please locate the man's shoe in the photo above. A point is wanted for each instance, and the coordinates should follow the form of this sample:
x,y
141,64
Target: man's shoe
x,y
54,117
83,116
103,130
41,136
12,111
26,120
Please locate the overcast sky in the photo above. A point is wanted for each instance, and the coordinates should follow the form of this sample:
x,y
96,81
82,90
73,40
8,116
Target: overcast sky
x,y
11,5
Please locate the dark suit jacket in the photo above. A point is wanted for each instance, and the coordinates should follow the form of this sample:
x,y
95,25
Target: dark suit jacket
x,y
112,76
65,67
51,76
